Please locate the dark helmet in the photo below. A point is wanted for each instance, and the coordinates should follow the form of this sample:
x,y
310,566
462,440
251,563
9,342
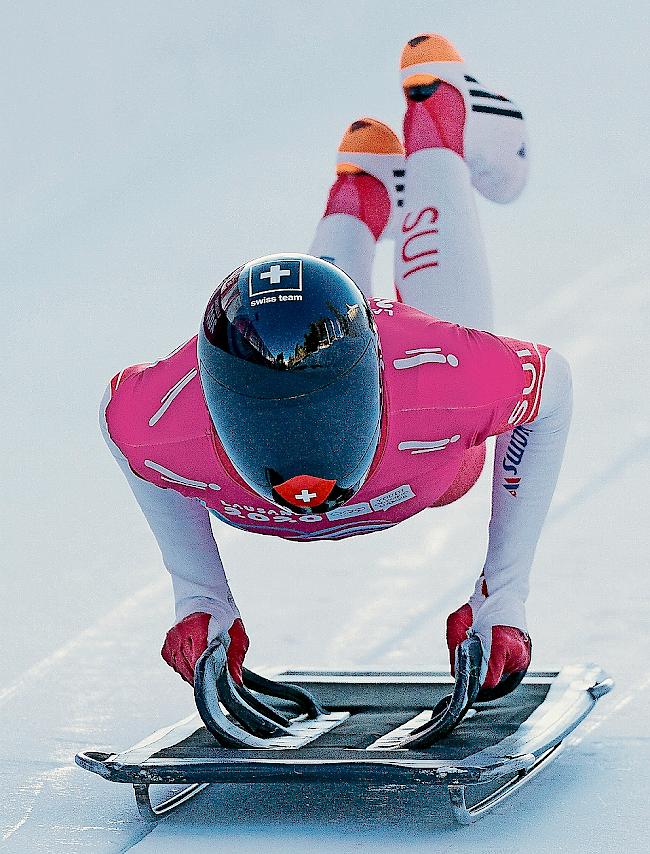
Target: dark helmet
x,y
290,367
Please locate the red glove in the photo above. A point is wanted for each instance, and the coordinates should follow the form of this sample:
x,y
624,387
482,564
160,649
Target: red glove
x,y
237,650
186,642
510,648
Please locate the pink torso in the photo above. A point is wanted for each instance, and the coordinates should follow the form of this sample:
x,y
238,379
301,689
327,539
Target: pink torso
x,y
447,389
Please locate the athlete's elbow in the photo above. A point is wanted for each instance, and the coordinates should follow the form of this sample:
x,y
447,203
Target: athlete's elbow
x,y
557,387
561,368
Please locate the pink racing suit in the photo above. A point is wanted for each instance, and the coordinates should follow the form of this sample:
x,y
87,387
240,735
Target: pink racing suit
x,y
448,387
446,390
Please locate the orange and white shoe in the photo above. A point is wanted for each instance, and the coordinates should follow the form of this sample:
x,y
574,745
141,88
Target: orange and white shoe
x,y
370,175
447,107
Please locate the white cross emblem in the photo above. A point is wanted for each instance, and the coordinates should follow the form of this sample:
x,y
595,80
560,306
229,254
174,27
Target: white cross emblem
x,y
275,274
305,496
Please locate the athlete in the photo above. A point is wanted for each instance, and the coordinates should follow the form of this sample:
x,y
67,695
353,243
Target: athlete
x,y
308,410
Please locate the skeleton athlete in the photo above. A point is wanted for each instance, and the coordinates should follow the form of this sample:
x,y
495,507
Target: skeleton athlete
x,y
307,410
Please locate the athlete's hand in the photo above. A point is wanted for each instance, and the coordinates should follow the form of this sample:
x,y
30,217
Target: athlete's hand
x,y
186,642
507,649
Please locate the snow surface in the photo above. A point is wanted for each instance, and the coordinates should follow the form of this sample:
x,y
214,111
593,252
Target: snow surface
x,y
152,148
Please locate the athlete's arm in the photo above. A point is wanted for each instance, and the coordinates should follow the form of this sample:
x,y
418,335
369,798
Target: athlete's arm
x,y
182,529
526,467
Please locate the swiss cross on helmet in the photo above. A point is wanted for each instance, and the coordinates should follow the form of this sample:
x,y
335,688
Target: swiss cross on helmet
x,y
290,368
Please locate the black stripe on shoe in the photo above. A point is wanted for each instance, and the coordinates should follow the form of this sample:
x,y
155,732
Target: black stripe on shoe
x,y
497,111
399,173
480,93
399,188
470,79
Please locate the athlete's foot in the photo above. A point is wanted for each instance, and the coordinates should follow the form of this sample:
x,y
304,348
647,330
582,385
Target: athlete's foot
x,y
435,112
448,108
434,118
370,175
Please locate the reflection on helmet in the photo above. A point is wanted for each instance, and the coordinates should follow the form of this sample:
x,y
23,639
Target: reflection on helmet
x,y
289,362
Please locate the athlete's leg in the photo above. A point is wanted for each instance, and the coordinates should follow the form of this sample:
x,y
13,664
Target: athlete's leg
x,y
362,199
440,261
456,133
493,140
343,237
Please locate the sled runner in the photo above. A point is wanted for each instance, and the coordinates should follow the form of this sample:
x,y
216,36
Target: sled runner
x,y
371,727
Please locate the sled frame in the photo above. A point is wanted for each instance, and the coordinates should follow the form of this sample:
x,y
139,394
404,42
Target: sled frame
x,y
513,761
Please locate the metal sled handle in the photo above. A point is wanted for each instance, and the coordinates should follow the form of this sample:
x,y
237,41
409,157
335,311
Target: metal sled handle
x,y
303,699
450,711
251,719
213,685
263,708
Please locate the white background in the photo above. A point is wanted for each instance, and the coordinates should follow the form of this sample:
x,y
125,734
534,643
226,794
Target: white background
x,y
147,149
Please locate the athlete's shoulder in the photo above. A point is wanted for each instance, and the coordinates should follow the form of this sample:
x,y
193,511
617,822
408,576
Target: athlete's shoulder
x,y
141,408
431,363
400,325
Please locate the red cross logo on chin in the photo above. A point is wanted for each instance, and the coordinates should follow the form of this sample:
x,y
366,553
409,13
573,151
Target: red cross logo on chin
x,y
305,491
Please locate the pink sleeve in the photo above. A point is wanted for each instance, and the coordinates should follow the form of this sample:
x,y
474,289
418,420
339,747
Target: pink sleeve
x,y
517,374
125,374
